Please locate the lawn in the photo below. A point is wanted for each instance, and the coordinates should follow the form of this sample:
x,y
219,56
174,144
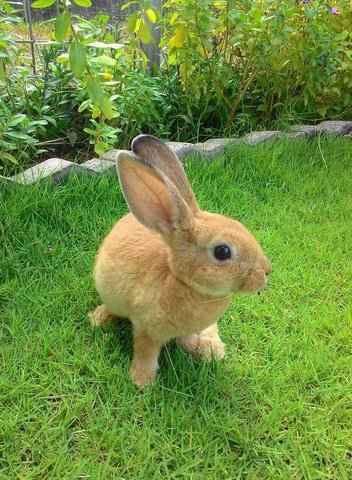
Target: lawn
x,y
278,407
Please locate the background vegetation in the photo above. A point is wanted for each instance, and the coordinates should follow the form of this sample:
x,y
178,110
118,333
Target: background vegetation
x,y
227,67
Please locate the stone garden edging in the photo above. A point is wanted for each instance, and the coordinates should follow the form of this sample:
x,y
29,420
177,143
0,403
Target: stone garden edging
x,y
58,169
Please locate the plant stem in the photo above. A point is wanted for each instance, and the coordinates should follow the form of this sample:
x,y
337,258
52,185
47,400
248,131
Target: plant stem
x,y
239,98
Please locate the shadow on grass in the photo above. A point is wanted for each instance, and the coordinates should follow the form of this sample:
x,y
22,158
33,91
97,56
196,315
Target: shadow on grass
x,y
179,371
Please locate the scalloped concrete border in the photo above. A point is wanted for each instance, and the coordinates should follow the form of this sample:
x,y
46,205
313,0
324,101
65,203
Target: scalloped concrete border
x,y
58,170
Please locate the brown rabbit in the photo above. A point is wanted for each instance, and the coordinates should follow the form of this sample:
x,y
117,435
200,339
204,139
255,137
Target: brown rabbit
x,y
168,266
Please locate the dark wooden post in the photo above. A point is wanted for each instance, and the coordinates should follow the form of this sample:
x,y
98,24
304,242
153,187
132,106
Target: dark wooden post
x,y
28,17
152,50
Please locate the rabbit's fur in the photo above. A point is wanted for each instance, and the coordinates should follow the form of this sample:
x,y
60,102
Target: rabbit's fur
x,y
158,268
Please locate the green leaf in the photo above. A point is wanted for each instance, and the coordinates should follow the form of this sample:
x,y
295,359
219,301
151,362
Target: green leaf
x,y
173,18
43,3
104,60
20,136
83,3
138,24
106,107
72,137
322,111
84,105
144,32
131,22
16,119
89,130
114,46
144,58
95,93
151,15
101,147
77,56
103,19
85,25
2,73
128,4
62,25
180,36
8,145
96,112
8,156
94,90
38,122
63,58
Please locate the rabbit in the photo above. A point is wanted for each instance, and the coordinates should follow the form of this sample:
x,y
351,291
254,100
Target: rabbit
x,y
168,266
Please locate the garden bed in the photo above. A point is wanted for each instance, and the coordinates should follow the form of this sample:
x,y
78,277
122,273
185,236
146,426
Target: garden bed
x,y
226,70
278,406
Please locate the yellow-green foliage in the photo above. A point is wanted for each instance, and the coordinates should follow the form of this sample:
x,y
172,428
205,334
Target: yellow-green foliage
x,y
267,54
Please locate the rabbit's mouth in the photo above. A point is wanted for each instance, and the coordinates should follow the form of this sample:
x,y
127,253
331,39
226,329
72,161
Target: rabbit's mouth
x,y
256,276
255,281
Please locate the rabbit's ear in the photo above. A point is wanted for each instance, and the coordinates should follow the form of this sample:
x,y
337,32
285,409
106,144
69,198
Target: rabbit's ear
x,y
158,154
152,198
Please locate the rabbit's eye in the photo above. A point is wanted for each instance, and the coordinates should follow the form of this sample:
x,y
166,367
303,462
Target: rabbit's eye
x,y
222,252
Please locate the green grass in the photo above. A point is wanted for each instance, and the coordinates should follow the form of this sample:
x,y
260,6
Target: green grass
x,y
278,407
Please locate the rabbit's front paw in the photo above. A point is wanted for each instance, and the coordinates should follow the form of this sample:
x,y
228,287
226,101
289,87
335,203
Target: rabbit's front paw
x,y
142,375
100,317
190,343
209,347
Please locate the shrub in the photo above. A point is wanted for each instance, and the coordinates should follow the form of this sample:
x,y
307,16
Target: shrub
x,y
38,114
262,58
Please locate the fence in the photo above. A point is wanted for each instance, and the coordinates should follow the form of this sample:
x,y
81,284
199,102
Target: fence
x,y
110,7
